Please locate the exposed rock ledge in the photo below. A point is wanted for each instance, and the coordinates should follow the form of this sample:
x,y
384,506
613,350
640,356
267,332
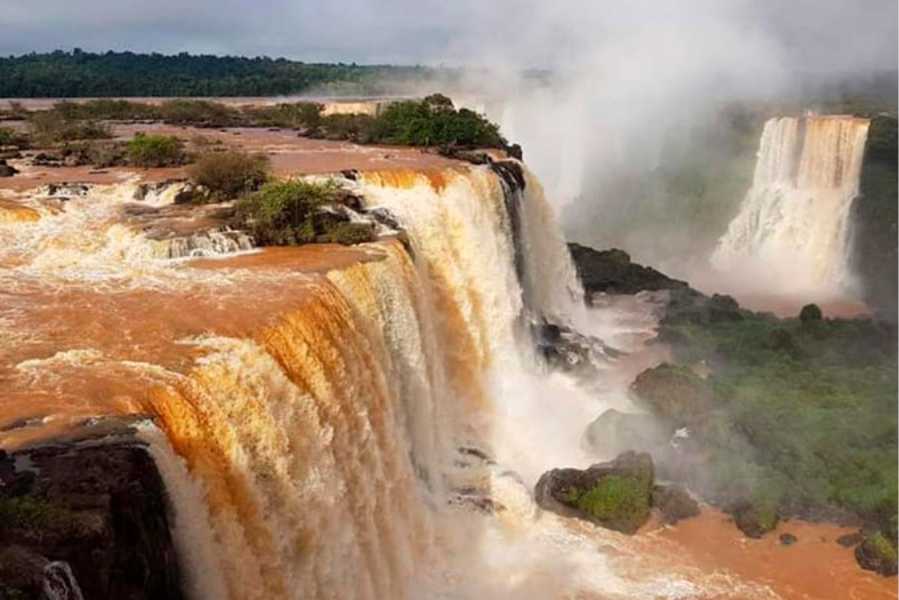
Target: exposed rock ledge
x,y
88,515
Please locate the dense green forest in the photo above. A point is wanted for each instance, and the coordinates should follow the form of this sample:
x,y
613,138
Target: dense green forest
x,y
85,74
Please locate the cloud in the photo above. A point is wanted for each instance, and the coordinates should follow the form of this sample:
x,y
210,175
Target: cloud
x,y
811,33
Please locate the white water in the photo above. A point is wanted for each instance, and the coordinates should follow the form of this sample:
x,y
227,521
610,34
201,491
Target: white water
x,y
319,457
792,233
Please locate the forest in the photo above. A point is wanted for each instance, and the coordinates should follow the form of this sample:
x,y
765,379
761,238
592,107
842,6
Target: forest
x,y
62,74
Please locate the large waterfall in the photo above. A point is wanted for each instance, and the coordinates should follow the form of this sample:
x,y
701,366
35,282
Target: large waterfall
x,y
794,227
337,423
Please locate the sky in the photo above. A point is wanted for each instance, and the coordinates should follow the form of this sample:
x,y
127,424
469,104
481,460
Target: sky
x,y
806,34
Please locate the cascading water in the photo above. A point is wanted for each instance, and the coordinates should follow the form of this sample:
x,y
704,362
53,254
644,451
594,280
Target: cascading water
x,y
793,228
375,430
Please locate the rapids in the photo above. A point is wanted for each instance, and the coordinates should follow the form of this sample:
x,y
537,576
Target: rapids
x,y
330,422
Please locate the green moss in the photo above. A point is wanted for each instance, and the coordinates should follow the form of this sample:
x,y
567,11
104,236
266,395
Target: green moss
x,y
615,498
882,548
33,513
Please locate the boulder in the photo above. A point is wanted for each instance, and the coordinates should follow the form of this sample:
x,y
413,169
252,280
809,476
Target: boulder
x,y
614,432
673,393
877,554
755,519
616,495
7,170
674,503
612,272
788,539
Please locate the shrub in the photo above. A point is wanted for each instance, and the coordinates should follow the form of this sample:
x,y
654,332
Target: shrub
x,y
230,174
295,115
11,137
288,213
50,127
155,150
810,312
616,499
434,122
201,113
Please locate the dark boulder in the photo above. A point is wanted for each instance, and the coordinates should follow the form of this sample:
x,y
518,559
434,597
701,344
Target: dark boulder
x,y
616,494
877,554
788,539
96,514
7,170
674,503
612,272
755,519
673,393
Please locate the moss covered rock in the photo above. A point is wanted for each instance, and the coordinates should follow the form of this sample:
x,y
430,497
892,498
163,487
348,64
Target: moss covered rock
x,y
674,503
674,393
616,495
756,518
877,553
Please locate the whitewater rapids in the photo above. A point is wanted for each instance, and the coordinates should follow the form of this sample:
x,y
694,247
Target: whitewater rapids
x,y
364,430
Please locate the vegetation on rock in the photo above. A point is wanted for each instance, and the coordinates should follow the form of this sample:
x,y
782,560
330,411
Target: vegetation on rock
x,y
877,553
617,494
230,174
294,212
153,150
802,420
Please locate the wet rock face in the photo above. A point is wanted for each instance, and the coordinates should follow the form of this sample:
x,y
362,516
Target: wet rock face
x,y
612,272
616,495
91,516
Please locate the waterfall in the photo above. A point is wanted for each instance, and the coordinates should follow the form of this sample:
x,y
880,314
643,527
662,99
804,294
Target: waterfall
x,y
793,228
328,445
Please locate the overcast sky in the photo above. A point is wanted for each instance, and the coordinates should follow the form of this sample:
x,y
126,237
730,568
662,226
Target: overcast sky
x,y
819,34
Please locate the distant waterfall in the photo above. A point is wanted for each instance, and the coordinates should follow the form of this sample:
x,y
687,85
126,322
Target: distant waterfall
x,y
794,225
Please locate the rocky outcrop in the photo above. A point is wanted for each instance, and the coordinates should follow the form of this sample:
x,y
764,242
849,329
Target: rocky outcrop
x,y
755,519
616,495
7,170
877,554
673,393
616,432
90,516
612,272
674,503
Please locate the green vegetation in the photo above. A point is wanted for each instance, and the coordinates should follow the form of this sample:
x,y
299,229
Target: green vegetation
x,y
434,122
50,127
429,122
10,137
85,74
288,213
230,174
33,513
615,497
804,413
155,151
